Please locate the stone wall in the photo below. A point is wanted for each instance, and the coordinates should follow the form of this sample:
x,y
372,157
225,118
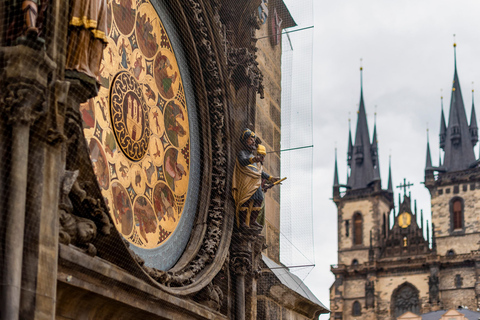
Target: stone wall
x,y
372,210
267,127
454,293
272,310
441,217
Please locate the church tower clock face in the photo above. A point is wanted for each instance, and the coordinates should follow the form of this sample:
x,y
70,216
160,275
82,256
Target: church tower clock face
x,y
142,132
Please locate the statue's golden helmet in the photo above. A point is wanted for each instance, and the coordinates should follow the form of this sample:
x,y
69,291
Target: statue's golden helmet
x,y
261,150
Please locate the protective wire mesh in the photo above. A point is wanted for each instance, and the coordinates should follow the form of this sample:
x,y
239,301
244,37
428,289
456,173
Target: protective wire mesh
x,y
115,178
297,243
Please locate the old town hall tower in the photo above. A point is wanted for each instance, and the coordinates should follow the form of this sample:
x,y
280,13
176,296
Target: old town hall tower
x,y
387,262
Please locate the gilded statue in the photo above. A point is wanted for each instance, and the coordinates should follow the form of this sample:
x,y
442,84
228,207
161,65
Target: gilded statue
x,y
247,181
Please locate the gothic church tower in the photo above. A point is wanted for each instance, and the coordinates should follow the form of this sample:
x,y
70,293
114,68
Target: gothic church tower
x,y
362,216
454,189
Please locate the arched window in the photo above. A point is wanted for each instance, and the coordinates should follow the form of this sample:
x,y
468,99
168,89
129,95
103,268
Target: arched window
x,y
456,209
356,309
354,262
405,298
357,228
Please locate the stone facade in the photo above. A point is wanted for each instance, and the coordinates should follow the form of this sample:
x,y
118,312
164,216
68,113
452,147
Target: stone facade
x,y
268,117
394,268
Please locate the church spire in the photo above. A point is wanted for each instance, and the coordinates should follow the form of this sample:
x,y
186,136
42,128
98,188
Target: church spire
x,y
443,127
335,174
362,167
336,184
473,124
428,163
374,151
458,148
350,144
390,183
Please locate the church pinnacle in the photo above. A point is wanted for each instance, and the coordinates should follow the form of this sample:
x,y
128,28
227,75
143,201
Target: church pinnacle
x,y
458,139
363,156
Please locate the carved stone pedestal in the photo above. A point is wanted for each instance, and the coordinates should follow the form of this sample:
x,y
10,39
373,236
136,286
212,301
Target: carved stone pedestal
x,y
246,249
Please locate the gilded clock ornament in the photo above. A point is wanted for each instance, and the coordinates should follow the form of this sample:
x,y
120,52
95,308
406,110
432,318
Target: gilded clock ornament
x,y
129,116
404,219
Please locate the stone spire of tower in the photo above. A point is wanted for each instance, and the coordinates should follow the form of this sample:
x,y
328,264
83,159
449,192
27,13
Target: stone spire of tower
x,y
443,127
428,163
336,184
350,144
473,123
362,168
374,151
390,183
458,146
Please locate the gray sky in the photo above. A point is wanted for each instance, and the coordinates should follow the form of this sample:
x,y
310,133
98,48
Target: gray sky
x,y
407,52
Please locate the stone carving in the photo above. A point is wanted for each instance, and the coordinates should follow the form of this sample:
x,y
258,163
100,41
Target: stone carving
x,y
23,103
433,283
369,294
241,264
77,231
405,299
211,296
243,59
74,230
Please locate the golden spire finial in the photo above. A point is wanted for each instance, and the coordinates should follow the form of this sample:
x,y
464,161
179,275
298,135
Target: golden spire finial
x,y
361,64
454,43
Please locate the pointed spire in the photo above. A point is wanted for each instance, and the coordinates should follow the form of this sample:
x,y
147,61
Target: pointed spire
x,y
336,185
335,174
458,148
362,167
390,183
374,150
473,123
350,144
421,219
428,163
443,127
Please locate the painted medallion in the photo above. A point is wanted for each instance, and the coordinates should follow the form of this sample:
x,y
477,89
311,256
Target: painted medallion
x,y
138,129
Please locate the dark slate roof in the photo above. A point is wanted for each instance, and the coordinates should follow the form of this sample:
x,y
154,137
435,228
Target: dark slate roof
x,y
428,162
293,282
458,148
390,182
435,315
375,159
443,128
335,175
362,168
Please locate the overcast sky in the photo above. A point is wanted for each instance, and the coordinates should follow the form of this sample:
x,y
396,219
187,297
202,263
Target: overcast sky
x,y
408,57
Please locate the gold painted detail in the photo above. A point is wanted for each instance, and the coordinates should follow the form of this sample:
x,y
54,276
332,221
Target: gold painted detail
x,y
129,116
137,127
404,219
89,24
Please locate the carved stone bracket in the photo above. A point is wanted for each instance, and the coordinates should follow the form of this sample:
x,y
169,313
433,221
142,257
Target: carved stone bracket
x,y
243,63
241,264
23,103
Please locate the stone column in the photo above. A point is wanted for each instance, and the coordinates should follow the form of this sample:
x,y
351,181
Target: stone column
x,y
246,249
23,102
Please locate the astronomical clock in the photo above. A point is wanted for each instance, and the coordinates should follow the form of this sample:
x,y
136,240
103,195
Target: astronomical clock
x,y
141,132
